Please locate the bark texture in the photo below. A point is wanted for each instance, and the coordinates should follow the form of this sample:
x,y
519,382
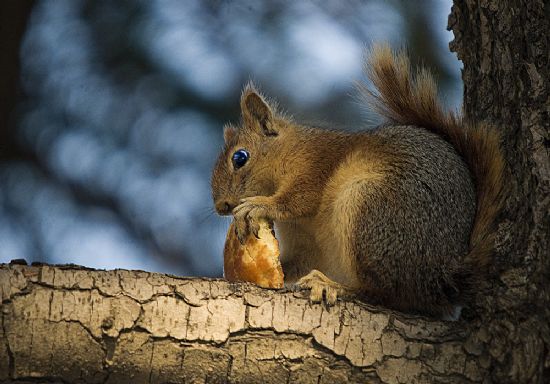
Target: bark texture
x,y
505,48
88,326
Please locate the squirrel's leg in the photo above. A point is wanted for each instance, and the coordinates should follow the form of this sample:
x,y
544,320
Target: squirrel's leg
x,y
292,200
336,231
323,287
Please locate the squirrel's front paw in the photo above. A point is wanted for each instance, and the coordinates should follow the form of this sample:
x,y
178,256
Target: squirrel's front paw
x,y
248,213
321,287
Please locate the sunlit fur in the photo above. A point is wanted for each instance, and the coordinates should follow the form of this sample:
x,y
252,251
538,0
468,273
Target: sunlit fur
x,y
391,213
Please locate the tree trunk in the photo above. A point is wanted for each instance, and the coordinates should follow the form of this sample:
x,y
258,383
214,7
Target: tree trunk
x,y
84,326
505,48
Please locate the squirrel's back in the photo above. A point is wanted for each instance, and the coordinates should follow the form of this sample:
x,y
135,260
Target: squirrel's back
x,y
411,99
416,223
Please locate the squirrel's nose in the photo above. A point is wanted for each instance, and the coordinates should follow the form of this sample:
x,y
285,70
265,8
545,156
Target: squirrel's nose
x,y
223,207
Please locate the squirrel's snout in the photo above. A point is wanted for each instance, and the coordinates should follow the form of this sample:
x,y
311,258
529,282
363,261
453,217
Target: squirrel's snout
x,y
223,207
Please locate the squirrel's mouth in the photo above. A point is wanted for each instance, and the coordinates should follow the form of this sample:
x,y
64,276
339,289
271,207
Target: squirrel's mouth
x,y
223,207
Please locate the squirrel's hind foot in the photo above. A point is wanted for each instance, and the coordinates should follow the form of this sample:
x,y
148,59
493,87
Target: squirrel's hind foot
x,y
322,288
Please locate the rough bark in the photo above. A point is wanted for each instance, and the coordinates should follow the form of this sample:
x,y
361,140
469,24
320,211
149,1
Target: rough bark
x,y
88,326
505,48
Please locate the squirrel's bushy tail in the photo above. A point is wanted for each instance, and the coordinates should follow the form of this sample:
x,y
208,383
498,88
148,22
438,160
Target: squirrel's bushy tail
x,y
408,98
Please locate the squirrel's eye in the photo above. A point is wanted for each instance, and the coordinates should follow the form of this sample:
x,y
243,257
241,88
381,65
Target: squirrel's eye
x,y
240,158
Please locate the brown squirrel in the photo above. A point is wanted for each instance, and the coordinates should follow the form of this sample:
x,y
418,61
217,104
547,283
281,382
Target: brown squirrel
x,y
402,215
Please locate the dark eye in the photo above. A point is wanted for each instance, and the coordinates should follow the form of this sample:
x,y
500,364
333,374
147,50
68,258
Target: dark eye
x,y
240,158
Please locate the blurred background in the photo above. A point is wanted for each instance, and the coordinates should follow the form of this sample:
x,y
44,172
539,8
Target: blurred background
x,y
112,112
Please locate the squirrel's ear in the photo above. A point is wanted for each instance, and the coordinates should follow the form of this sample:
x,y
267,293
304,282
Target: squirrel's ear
x,y
257,113
229,132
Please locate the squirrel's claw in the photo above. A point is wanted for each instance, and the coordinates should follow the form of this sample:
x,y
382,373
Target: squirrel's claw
x,y
241,230
254,227
247,215
321,287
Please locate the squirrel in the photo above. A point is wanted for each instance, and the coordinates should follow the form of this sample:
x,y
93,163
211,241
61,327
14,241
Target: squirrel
x,y
402,215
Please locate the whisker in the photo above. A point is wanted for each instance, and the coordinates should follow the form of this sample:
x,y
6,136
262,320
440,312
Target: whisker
x,y
205,213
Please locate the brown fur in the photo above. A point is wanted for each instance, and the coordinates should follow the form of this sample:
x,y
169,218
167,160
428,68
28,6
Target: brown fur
x,y
390,213
404,98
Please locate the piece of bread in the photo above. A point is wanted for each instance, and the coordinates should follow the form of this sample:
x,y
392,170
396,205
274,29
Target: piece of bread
x,y
255,261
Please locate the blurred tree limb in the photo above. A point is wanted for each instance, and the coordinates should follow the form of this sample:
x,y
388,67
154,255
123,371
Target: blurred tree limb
x,y
13,20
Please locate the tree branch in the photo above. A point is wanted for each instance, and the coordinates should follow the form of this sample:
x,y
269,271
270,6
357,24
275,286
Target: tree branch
x,y
80,325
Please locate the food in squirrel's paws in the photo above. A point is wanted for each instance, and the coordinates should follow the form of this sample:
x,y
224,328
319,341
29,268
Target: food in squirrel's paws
x,y
255,261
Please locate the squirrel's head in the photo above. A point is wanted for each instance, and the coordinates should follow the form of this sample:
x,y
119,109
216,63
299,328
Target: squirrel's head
x,y
247,164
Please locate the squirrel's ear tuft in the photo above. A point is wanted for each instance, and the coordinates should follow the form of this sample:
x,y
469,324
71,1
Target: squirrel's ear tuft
x,y
229,133
257,114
